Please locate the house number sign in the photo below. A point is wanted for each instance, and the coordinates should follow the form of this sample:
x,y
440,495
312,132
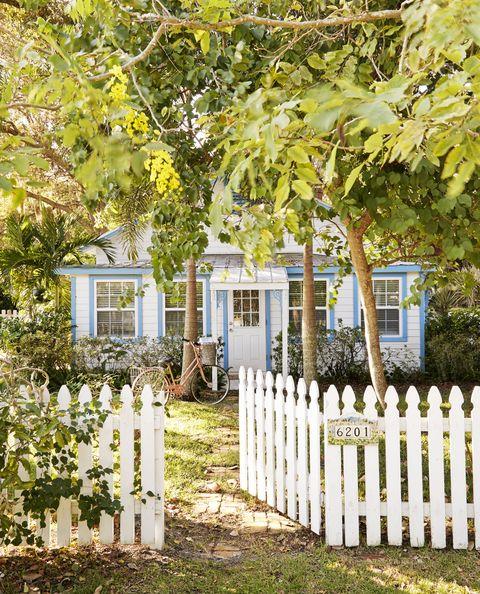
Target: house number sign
x,y
353,430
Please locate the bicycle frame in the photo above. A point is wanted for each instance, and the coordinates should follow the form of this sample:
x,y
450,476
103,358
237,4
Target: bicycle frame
x,y
176,386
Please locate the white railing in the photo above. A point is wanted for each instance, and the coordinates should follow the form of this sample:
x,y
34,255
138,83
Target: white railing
x,y
147,427
288,460
8,313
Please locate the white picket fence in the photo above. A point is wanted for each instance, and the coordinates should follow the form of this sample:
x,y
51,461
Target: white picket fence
x,y
287,461
149,504
8,313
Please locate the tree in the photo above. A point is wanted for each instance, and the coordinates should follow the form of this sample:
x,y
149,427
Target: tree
x,y
396,82
32,251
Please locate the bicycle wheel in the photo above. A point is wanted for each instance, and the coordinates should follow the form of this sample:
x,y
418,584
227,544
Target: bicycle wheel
x,y
154,376
214,389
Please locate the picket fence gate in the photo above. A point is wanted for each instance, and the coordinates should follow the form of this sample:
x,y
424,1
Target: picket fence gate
x,y
287,461
149,504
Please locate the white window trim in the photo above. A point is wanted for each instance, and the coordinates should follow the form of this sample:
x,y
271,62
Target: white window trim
x,y
399,307
95,309
202,309
319,307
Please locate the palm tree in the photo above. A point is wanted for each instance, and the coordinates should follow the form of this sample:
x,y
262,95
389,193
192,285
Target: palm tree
x,y
33,250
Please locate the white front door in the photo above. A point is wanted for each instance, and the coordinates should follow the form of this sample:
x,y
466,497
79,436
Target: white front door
x,y
246,329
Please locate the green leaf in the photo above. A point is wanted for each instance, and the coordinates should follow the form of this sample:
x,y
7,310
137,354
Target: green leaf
x,y
303,189
297,154
352,178
330,167
315,62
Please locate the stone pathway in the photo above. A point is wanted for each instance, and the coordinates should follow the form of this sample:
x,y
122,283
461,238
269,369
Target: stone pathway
x,y
243,520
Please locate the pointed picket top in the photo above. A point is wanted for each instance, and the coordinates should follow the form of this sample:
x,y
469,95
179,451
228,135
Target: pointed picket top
x,y
412,398
290,386
242,374
434,398
314,391
348,399
259,378
64,398
160,397
370,399
44,395
147,397
106,397
269,380
85,394
302,388
331,402
391,398
250,376
126,395
456,398
476,398
279,384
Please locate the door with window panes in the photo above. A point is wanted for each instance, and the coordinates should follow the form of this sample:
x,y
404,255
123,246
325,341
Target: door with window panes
x,y
246,328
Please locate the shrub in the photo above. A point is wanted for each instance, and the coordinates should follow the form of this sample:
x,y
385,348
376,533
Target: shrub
x,y
115,356
341,356
43,342
461,320
42,440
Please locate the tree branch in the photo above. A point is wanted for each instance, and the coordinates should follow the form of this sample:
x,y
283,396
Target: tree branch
x,y
48,201
190,23
168,22
20,105
138,58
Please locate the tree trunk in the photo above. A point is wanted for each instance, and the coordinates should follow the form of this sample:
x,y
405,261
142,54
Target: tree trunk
x,y
191,323
367,297
309,322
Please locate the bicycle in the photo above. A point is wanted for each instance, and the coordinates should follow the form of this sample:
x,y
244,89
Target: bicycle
x,y
209,384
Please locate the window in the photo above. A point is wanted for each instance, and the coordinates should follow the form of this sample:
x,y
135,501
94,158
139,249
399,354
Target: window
x,y
246,308
115,303
387,298
295,298
175,303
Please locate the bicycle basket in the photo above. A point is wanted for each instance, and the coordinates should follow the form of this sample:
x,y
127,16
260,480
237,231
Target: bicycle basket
x,y
208,353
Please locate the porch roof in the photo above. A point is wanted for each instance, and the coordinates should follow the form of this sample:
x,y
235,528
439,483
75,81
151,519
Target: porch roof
x,y
235,274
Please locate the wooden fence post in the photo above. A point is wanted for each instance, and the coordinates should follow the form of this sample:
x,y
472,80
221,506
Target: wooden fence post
x,y
85,460
270,438
436,471
127,499
414,469
280,443
350,477
392,468
457,470
372,475
315,485
291,450
333,474
302,454
105,458
64,512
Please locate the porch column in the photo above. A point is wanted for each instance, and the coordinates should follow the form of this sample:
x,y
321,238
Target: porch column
x,y
285,332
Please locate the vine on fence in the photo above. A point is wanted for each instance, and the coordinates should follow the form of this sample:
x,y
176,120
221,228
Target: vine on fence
x,y
38,462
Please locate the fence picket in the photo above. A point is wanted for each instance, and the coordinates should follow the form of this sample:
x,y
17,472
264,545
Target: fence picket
x,y
251,456
457,470
291,450
476,462
105,458
333,475
260,422
315,486
127,499
85,463
44,531
280,444
372,475
64,511
302,455
392,468
270,438
159,416
147,467
414,469
436,472
242,428
350,480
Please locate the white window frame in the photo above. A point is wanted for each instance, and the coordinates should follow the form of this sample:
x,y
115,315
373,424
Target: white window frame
x,y
202,309
399,307
135,303
319,307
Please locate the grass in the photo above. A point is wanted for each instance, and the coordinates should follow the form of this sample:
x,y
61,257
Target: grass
x,y
372,571
198,438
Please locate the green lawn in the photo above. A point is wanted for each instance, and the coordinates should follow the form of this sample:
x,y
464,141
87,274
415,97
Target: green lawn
x,y
197,439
